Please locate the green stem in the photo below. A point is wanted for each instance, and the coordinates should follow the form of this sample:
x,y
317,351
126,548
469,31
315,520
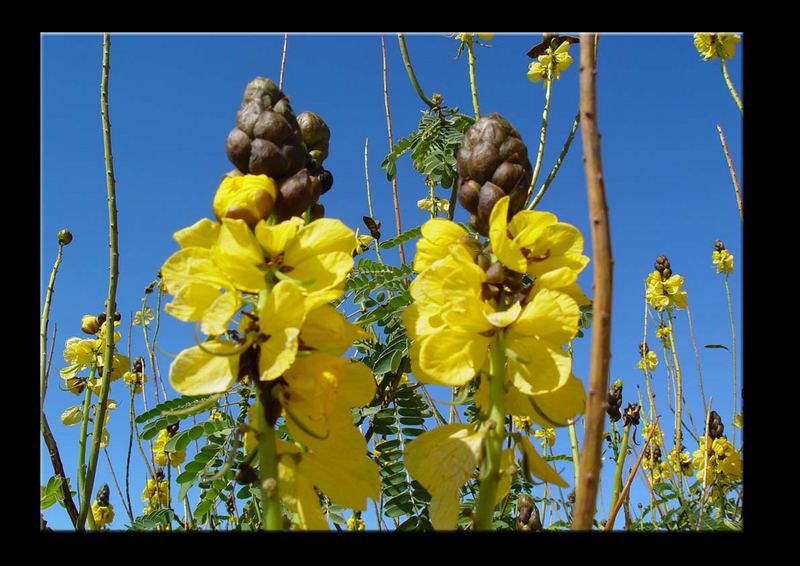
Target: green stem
x,y
573,443
43,330
404,53
87,401
473,86
733,355
369,197
490,468
678,386
731,88
113,274
697,359
268,470
557,165
542,135
623,452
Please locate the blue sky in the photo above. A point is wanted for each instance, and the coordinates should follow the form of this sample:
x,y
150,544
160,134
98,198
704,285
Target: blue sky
x,y
173,101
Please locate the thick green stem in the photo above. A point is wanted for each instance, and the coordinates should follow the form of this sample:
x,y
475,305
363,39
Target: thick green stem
x,y
268,470
490,467
412,77
87,402
623,452
557,165
113,274
473,85
731,88
733,355
542,135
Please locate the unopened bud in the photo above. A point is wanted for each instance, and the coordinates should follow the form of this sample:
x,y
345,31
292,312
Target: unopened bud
x,y
89,324
64,237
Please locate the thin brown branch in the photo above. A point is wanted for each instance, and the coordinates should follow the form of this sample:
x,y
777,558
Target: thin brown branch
x,y
395,199
58,469
736,188
603,265
283,60
629,481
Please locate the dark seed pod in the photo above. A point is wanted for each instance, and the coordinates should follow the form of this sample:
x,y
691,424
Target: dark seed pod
x,y
295,154
173,428
325,181
527,514
246,475
64,237
469,195
159,474
295,195
715,426
138,364
614,402
317,211
631,415
102,495
237,148
117,316
247,116
266,159
273,127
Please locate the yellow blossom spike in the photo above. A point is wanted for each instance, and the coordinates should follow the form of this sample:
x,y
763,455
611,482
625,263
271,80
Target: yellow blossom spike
x,y
441,460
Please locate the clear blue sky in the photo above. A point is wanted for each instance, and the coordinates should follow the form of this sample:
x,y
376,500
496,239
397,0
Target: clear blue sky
x,y
172,104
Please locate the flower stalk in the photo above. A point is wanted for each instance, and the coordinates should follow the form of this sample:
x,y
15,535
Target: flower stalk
x,y
268,470
558,162
732,171
490,467
473,85
573,443
401,40
623,452
542,136
113,270
731,88
733,354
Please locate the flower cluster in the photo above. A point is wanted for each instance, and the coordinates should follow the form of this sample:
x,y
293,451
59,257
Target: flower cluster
x,y
712,45
722,258
260,290
663,289
155,494
549,65
516,293
102,510
82,354
355,522
546,436
723,460
161,457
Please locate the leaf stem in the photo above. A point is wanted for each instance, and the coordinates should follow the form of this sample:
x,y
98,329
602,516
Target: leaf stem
x,y
542,135
473,85
369,197
401,40
731,88
490,467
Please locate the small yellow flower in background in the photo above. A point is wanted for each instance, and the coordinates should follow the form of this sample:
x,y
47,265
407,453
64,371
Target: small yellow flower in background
x,y
362,243
143,317
662,294
103,514
723,459
663,333
467,37
427,204
547,436
135,379
738,420
722,258
247,197
550,64
523,423
711,45
155,494
355,522
215,415
71,416
680,462
649,361
175,458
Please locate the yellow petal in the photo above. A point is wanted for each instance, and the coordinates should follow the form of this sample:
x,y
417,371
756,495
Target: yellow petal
x,y
501,319
449,358
347,481
278,353
437,235
441,460
284,308
507,470
550,409
326,329
550,316
71,416
239,256
323,271
246,197
195,372
537,465
201,234
275,238
298,495
537,366
502,246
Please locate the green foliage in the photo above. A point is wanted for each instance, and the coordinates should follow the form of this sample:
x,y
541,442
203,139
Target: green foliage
x,y
154,519
51,493
183,402
402,238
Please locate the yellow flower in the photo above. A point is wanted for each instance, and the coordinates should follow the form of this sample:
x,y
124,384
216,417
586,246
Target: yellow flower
x,y
356,523
667,294
680,462
550,64
663,332
649,361
711,45
438,236
246,197
547,436
536,243
427,204
156,493
143,317
135,379
722,260
362,243
78,354
103,514
71,416
89,324
723,459
522,423
467,37
161,457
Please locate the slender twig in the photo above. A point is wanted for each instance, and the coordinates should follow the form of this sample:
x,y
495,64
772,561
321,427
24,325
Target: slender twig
x,y
395,199
736,188
705,464
600,355
629,481
696,357
113,274
647,383
369,197
50,357
542,135
156,326
43,326
678,387
733,354
473,85
116,484
573,444
731,88
132,416
58,469
410,70
283,60
436,414
558,162
150,353
617,486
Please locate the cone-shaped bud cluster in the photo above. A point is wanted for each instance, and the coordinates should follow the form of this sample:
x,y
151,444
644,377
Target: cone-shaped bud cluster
x,y
615,401
102,495
631,414
715,426
656,454
492,163
663,267
528,514
718,246
270,140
